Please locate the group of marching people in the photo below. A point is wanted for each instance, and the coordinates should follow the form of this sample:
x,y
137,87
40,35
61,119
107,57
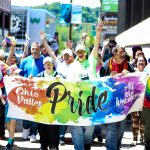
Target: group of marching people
x,y
90,63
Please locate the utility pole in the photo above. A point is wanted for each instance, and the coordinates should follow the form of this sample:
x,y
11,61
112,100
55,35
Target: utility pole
x,y
70,25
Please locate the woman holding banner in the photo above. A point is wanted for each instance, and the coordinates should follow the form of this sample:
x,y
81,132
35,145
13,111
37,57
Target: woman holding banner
x,y
49,134
82,135
11,71
137,123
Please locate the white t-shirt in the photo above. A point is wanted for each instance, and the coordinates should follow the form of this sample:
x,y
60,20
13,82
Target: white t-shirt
x,y
62,68
83,70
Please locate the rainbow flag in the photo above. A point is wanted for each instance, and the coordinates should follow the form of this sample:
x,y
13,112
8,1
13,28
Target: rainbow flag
x,y
8,39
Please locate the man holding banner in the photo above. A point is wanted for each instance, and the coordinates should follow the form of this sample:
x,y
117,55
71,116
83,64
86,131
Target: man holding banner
x,y
116,64
31,66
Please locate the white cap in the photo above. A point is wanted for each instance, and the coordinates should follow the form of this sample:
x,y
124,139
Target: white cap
x,y
81,47
68,51
49,59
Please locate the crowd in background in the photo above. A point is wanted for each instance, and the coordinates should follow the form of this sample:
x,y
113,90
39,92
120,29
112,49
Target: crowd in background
x,y
39,60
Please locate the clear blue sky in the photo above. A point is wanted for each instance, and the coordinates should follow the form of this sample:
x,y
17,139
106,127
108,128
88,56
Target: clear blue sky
x,y
89,3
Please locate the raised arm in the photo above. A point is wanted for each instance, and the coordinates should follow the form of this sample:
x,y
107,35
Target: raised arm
x,y
105,43
26,46
12,51
4,45
97,39
47,47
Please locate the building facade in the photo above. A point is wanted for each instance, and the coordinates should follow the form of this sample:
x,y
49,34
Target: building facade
x,y
5,13
131,12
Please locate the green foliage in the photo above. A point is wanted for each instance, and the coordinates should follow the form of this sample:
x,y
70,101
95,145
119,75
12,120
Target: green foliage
x,y
54,8
89,17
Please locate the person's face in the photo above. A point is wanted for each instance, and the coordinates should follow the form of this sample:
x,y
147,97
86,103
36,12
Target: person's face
x,y
138,53
81,55
13,60
35,50
120,54
67,58
70,44
48,66
141,63
111,45
43,50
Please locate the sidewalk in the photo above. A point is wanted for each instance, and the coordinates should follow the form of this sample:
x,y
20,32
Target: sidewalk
x,y
26,145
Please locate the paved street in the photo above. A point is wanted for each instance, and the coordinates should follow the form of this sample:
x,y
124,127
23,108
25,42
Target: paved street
x,y
26,145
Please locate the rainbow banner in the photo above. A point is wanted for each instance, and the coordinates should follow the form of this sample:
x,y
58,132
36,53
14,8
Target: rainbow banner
x,y
58,101
147,95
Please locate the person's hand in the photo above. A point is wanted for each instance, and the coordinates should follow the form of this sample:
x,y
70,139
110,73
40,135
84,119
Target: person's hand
x,y
125,72
99,26
30,77
113,73
42,35
27,37
3,99
69,44
84,35
105,42
13,41
26,43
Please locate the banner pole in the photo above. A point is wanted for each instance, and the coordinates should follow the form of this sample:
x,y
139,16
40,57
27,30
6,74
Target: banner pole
x,y
70,26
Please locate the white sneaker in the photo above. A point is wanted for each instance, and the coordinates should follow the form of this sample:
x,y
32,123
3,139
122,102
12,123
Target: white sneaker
x,y
33,138
25,133
61,142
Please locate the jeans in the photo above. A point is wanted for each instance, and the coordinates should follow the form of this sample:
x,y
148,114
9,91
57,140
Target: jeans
x,y
81,135
114,135
30,125
97,131
63,130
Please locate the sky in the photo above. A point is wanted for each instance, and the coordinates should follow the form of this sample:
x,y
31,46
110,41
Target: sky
x,y
89,3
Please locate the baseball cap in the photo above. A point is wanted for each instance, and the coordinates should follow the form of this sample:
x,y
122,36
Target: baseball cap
x,y
81,47
49,59
68,51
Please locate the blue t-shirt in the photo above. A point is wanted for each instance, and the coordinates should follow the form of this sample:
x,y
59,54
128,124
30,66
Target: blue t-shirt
x,y
31,66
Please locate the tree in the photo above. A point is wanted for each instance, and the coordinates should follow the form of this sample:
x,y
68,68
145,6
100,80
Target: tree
x,y
89,16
